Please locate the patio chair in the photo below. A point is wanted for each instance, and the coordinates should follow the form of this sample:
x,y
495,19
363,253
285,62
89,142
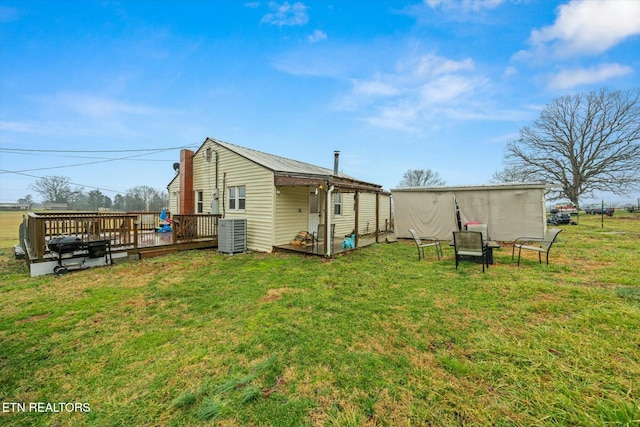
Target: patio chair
x,y
483,228
318,236
544,244
470,244
430,241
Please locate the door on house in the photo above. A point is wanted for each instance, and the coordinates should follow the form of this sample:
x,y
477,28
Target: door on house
x,y
314,211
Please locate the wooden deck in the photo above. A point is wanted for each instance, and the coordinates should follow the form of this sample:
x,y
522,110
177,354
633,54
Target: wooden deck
x,y
162,244
363,241
133,233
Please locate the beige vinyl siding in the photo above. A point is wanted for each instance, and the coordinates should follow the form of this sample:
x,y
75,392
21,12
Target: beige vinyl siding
x,y
174,195
345,223
385,211
258,183
258,211
367,217
204,178
292,211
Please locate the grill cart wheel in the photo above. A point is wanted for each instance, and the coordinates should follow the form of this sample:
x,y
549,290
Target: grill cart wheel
x,y
60,270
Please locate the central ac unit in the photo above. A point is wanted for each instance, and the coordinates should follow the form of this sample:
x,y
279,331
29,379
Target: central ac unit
x,y
232,235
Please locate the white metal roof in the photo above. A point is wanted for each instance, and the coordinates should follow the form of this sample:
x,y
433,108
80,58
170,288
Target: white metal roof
x,y
495,186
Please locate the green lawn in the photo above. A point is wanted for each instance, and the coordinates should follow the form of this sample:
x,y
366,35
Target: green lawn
x,y
372,338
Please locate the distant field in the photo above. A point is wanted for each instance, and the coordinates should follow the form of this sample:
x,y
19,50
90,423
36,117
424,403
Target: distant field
x,y
9,227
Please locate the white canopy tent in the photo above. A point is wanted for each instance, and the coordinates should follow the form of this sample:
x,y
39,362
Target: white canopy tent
x,y
510,210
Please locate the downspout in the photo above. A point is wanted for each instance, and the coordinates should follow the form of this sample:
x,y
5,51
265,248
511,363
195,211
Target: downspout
x,y
327,229
215,203
224,189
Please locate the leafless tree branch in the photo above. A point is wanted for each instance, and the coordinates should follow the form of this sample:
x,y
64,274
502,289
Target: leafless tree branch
x,y
584,143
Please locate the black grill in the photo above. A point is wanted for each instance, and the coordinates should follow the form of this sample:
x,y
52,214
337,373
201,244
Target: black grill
x,y
73,247
65,244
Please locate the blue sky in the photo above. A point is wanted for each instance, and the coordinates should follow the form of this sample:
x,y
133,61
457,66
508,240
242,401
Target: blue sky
x,y
393,85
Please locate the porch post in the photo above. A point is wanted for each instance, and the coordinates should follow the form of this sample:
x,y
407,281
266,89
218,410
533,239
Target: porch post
x,y
357,217
327,203
327,223
377,216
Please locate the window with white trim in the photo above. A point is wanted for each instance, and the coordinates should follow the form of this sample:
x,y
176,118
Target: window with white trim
x,y
237,198
199,201
337,204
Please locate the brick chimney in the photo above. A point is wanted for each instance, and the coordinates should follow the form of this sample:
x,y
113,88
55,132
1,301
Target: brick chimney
x,y
187,198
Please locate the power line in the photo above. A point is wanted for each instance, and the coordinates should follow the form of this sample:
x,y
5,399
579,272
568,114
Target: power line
x,y
78,164
73,183
87,157
145,152
95,151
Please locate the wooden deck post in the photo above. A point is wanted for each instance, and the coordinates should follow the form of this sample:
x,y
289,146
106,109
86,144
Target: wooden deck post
x,y
40,238
135,234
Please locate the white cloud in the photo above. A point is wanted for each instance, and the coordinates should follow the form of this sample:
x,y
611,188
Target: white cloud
x,y
23,127
568,79
97,106
510,71
252,4
68,116
286,14
588,27
446,89
318,35
398,117
474,5
373,88
432,65
419,89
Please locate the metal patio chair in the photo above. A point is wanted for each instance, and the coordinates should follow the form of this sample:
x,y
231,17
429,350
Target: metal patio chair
x,y
429,241
470,244
544,244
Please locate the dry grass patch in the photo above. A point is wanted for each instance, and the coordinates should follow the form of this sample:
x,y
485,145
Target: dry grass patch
x,y
275,294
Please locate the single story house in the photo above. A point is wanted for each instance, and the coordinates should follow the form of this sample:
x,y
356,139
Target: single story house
x,y
14,206
510,210
279,197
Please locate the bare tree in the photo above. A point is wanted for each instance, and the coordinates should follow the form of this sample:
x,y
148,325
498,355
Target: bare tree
x,y
421,178
513,174
585,143
55,189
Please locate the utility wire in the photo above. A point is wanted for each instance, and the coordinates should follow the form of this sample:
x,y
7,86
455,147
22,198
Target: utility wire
x,y
96,151
146,151
78,164
73,183
85,157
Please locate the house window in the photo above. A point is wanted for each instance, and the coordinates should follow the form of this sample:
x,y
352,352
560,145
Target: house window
x,y
237,198
337,204
199,202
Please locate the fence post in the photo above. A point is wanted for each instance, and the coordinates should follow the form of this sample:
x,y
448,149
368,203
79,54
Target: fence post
x,y
174,229
40,242
135,234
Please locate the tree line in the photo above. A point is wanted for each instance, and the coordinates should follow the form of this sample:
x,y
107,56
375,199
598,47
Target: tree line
x,y
58,189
